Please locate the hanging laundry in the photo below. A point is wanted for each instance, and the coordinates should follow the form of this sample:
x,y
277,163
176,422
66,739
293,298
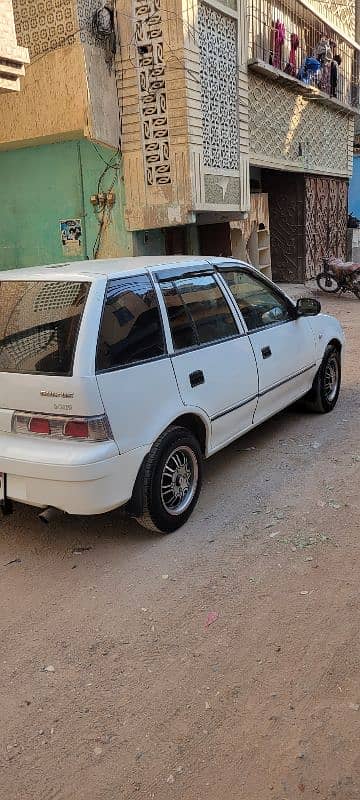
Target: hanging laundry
x,y
279,39
310,70
290,68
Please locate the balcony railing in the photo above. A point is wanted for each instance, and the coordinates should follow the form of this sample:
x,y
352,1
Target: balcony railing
x,y
289,37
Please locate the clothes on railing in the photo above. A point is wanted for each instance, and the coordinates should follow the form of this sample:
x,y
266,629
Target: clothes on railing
x,y
320,70
279,39
290,68
309,71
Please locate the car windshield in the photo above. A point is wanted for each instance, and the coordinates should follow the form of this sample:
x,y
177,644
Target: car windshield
x,y
39,324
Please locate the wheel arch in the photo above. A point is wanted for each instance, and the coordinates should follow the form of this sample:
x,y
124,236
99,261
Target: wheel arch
x,y
335,343
199,427
194,423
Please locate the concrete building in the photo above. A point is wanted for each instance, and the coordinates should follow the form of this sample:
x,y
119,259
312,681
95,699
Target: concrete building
x,y
196,136
60,187
12,57
217,124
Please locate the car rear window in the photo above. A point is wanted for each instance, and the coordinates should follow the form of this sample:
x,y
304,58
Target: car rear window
x,y
39,324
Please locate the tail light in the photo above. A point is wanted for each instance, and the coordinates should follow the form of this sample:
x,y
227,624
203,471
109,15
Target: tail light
x,y
90,429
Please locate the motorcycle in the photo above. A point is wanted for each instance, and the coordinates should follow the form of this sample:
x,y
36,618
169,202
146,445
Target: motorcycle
x,y
339,276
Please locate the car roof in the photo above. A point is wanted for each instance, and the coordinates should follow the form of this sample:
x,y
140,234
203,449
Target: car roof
x,y
106,267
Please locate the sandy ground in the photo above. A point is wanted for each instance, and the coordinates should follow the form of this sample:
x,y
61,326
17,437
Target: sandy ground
x,y
140,699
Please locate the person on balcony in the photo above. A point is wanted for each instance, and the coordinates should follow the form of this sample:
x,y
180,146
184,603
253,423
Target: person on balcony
x,y
323,53
335,79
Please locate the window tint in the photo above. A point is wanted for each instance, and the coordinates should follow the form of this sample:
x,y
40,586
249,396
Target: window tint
x,y
259,305
39,325
198,312
131,328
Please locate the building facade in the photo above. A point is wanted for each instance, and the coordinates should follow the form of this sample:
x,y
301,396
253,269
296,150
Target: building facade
x,y
60,164
228,140
302,130
12,57
181,127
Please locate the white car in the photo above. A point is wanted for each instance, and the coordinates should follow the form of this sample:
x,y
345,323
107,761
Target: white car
x,y
118,377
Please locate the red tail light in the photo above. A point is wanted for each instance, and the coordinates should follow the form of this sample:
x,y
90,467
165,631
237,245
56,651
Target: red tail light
x,y
39,425
77,430
91,429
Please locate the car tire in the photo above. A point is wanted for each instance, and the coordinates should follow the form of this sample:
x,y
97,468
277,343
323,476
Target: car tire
x,y
172,480
324,393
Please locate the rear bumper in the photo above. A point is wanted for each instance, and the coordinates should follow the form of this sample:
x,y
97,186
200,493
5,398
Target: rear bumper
x,y
81,488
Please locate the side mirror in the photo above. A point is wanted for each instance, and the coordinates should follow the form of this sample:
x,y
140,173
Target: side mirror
x,y
308,307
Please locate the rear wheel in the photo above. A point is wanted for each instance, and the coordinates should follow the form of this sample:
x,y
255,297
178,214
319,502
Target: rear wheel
x,y
172,481
326,387
327,282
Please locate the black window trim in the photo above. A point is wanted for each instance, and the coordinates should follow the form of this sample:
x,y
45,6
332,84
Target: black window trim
x,y
226,267
133,364
187,313
188,271
165,354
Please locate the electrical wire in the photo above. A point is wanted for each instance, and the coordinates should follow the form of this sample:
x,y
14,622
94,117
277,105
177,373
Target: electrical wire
x,y
115,162
117,155
102,222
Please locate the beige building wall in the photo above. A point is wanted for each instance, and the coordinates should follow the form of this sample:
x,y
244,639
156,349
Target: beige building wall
x,y
48,109
177,164
340,13
290,132
152,100
68,89
12,57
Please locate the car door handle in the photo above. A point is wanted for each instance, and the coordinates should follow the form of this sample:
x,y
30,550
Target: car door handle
x,y
266,352
196,378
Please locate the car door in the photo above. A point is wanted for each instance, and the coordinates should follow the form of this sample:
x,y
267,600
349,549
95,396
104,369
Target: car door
x,y
283,344
134,373
213,360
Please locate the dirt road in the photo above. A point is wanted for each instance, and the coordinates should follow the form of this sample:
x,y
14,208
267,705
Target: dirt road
x,y
112,687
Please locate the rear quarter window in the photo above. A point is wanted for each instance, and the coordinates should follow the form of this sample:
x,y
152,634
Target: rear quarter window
x,y
131,330
39,325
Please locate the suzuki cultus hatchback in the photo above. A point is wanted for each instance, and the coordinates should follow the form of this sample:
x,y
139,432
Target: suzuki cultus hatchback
x,y
117,378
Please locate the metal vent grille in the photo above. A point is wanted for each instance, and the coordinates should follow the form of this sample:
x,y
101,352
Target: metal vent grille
x,y
25,347
56,296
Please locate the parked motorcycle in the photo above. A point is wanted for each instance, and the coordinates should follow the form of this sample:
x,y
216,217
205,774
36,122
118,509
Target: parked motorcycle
x,y
339,276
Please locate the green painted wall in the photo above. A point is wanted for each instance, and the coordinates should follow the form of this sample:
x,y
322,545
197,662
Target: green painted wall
x,y
39,186
115,240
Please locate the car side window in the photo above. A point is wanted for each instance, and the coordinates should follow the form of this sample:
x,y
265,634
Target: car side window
x,y
198,311
131,329
257,302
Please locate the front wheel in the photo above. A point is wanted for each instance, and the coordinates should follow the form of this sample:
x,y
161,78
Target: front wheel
x,y
323,396
327,282
172,480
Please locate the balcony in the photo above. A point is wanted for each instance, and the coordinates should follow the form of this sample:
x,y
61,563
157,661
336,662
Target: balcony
x,y
290,43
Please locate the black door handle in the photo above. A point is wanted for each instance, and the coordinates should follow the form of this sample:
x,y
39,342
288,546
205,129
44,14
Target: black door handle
x,y
196,378
266,352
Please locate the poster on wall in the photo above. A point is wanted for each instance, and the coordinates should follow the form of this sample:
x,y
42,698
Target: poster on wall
x,y
71,236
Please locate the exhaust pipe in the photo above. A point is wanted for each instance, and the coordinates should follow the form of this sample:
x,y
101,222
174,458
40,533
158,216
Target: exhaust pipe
x,y
49,515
